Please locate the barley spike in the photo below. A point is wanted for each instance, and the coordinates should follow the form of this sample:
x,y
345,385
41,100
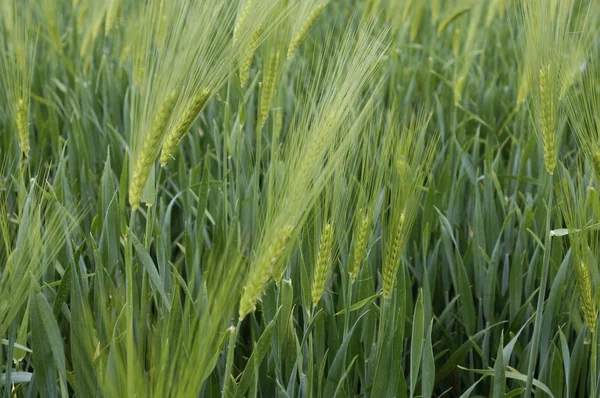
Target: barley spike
x,y
147,155
182,126
323,264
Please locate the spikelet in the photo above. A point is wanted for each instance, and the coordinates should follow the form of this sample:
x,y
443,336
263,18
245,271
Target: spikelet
x,y
584,283
22,127
249,56
147,155
182,126
323,264
268,89
260,275
299,36
242,17
390,266
548,109
360,243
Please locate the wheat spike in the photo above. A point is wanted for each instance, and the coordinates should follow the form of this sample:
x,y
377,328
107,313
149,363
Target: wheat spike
x,y
182,126
147,155
242,18
22,127
298,38
323,264
260,275
548,117
390,266
584,283
360,244
249,56
268,89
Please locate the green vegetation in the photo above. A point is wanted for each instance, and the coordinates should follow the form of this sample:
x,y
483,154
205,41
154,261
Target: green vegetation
x,y
299,198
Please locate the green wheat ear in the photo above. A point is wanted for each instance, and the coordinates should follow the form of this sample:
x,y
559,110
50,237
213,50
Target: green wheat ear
x,y
23,126
256,282
548,98
249,56
147,155
323,264
300,35
268,88
184,122
391,263
361,241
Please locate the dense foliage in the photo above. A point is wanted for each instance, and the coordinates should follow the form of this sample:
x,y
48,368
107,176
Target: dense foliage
x,y
299,198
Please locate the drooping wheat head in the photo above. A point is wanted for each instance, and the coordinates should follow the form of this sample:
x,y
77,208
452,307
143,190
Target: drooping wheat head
x,y
548,110
299,35
182,126
147,155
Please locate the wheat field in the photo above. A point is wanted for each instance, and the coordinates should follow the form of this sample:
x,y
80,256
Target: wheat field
x,y
299,198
